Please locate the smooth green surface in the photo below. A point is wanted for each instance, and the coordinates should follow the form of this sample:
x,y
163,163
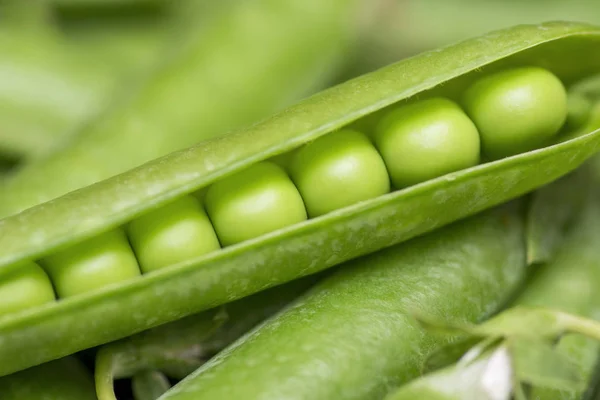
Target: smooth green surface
x,y
299,250
250,59
352,336
516,110
426,139
102,261
175,232
64,379
253,202
338,170
24,286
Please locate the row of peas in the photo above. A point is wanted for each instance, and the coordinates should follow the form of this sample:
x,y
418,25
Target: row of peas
x,y
505,113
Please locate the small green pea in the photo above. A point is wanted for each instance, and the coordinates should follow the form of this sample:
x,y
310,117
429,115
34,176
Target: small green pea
x,y
337,170
579,108
175,232
253,202
426,139
516,110
24,286
92,264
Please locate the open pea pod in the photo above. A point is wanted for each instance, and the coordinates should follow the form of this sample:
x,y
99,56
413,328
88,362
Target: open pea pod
x,y
46,332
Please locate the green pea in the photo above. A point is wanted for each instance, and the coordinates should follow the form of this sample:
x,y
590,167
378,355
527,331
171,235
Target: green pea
x,y
338,170
253,202
516,110
24,286
579,108
426,139
173,233
92,264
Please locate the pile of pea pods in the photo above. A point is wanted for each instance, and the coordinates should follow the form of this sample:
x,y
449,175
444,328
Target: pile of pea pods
x,y
242,200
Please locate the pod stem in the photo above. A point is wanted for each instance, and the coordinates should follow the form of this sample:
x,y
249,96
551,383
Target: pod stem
x,y
583,326
104,374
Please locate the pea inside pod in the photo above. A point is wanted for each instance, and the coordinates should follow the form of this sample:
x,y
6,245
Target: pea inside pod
x,y
353,224
418,141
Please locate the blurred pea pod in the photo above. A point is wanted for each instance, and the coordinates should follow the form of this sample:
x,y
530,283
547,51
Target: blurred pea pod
x,y
63,379
51,79
251,58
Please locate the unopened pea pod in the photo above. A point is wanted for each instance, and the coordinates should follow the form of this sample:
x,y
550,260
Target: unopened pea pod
x,y
253,263
352,336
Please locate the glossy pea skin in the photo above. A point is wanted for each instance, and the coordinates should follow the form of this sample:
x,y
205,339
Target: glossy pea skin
x,y
516,110
253,202
173,233
426,139
337,170
24,286
92,264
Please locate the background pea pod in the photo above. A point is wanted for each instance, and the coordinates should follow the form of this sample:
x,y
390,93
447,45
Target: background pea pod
x,y
356,324
295,45
303,248
64,379
50,82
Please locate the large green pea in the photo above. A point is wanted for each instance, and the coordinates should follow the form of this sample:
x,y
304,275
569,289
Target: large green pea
x,y
253,202
175,232
92,264
24,286
338,170
426,139
516,110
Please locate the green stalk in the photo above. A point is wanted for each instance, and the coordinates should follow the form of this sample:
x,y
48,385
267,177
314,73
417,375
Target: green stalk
x,y
353,335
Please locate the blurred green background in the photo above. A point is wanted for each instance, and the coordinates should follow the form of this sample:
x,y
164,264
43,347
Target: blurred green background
x,y
61,61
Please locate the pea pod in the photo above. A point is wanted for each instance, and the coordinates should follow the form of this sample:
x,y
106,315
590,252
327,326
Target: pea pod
x,y
205,85
180,347
186,286
64,379
356,324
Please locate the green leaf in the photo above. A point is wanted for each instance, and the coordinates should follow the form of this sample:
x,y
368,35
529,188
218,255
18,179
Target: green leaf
x,y
538,363
489,377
